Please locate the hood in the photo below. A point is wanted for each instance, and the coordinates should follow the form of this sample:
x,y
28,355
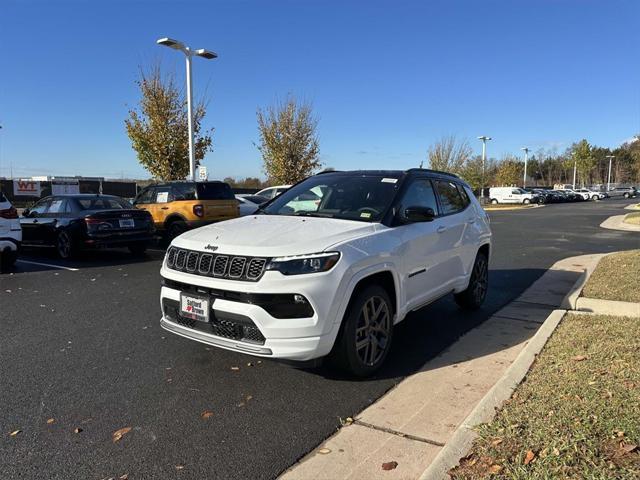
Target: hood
x,y
273,235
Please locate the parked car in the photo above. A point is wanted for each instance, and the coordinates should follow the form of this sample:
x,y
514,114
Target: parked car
x,y
332,281
10,234
249,203
626,192
70,223
179,206
596,194
511,195
271,192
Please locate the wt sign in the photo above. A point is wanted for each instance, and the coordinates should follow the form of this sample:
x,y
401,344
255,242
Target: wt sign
x,y
26,188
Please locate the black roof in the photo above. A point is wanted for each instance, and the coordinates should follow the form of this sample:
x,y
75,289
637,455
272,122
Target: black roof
x,y
391,173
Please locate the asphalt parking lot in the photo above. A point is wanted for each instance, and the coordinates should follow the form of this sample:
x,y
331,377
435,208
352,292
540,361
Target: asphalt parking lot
x,y
82,345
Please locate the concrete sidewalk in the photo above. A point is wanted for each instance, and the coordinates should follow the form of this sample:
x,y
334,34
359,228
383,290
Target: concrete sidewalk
x,y
411,423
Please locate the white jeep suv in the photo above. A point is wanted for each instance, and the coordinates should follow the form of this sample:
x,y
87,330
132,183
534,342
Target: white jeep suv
x,y
10,234
333,279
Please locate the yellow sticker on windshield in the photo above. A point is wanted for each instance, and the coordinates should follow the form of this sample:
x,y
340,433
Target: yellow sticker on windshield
x,y
365,215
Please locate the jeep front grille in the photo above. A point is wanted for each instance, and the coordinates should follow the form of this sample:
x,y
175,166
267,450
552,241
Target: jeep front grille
x,y
219,266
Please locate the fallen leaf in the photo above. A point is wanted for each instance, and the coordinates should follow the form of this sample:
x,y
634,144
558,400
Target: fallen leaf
x,y
628,447
206,414
249,364
494,469
529,457
14,433
124,477
118,434
249,397
235,369
556,452
77,430
389,465
579,358
179,467
324,451
50,421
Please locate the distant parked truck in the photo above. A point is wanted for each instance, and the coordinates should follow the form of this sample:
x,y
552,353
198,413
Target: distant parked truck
x,y
511,195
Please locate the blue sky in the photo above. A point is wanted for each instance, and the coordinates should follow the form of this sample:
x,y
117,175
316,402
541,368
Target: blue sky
x,y
386,78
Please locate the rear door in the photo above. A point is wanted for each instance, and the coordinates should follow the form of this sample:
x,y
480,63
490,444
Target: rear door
x,y
455,218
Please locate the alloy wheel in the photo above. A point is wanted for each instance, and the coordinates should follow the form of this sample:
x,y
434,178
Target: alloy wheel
x,y
64,244
373,330
480,279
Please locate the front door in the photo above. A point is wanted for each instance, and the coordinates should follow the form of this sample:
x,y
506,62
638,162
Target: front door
x,y
34,224
420,243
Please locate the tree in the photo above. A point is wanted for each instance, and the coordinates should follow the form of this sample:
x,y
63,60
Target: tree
x,y
585,162
158,129
288,141
471,172
449,155
510,171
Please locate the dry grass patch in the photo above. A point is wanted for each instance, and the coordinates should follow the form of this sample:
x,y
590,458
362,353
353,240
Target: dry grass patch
x,y
632,218
577,413
617,277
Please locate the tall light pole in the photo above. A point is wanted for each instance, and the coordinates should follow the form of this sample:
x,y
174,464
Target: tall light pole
x,y
484,139
610,157
209,55
526,159
575,169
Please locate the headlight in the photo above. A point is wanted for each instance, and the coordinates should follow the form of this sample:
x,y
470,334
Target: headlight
x,y
299,264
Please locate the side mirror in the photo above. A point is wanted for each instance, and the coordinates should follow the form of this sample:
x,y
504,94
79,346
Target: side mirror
x,y
419,214
26,212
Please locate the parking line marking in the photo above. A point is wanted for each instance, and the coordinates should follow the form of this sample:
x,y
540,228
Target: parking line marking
x,y
49,265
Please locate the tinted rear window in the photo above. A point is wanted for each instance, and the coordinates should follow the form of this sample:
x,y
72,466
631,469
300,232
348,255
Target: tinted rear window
x,y
214,191
102,203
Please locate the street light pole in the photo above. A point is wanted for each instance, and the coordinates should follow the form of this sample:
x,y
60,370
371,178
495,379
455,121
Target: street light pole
x,y
526,159
610,157
209,55
484,139
575,168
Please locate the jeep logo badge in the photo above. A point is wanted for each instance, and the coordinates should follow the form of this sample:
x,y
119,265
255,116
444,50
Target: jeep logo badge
x,y
213,248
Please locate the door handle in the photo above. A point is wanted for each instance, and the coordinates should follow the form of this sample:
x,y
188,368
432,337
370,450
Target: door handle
x,y
441,229
164,208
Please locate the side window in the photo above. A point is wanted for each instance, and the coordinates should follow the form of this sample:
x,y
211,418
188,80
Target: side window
x,y
59,205
145,196
420,194
184,191
515,191
450,199
465,197
163,195
40,208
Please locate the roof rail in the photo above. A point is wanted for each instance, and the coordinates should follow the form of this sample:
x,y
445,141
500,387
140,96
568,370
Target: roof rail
x,y
439,172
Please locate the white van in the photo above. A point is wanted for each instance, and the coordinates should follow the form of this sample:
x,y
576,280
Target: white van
x,y
511,195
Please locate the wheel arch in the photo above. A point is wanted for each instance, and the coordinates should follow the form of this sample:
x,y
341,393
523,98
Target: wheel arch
x,y
174,217
383,277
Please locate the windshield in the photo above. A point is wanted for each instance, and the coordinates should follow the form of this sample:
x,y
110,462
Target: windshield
x,y
364,198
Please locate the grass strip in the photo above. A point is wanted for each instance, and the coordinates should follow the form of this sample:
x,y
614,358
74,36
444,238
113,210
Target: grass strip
x,y
617,277
577,413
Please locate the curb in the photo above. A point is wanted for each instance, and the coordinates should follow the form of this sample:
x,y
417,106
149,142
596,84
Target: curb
x,y
608,307
463,438
616,222
509,209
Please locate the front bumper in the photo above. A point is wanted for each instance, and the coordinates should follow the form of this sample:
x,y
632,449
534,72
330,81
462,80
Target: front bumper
x,y
295,339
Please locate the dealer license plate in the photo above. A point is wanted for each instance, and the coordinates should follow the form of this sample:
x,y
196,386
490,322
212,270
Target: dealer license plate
x,y
127,223
195,308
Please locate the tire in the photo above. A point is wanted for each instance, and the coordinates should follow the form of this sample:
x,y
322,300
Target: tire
x,y
526,201
8,259
138,249
64,245
175,229
494,201
473,297
358,328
